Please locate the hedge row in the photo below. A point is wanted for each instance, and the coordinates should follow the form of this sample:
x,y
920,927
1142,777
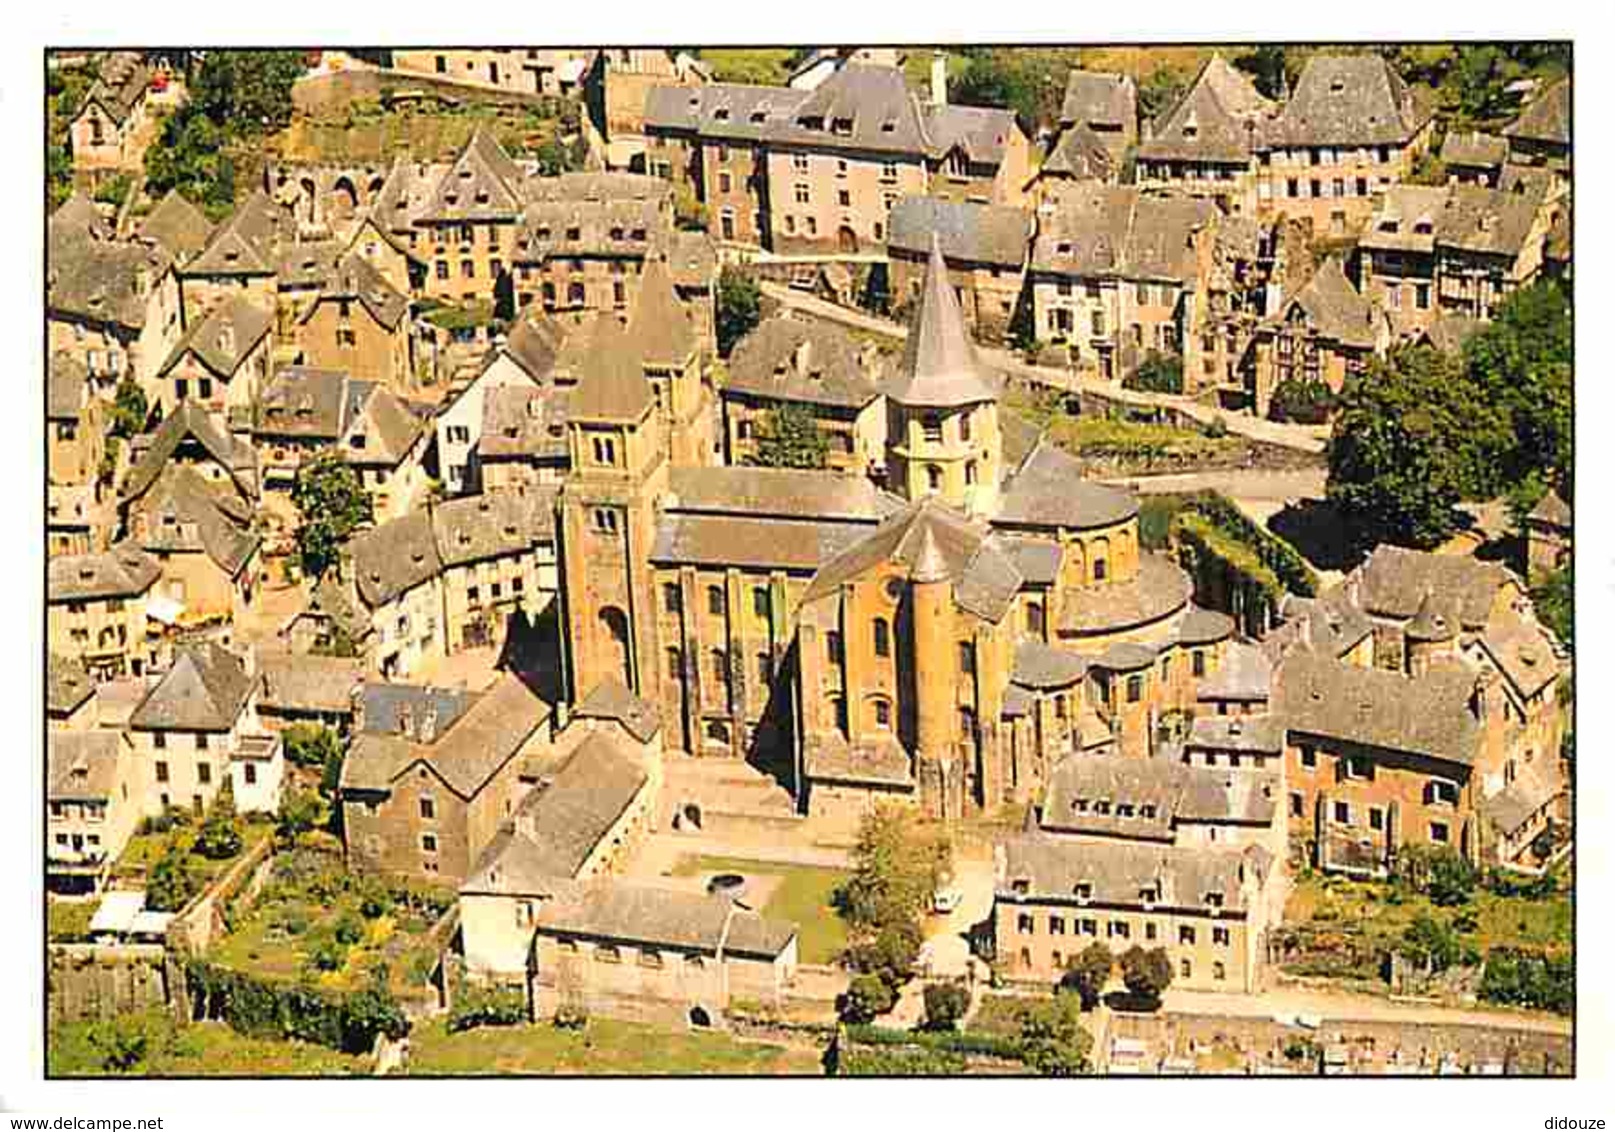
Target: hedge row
x,y
262,1008
1275,553
951,1041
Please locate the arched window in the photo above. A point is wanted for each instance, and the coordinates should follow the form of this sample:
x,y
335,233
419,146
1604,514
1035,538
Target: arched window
x,y
718,660
838,713
615,623
675,663
717,603
970,472
933,477
882,708
574,294
883,637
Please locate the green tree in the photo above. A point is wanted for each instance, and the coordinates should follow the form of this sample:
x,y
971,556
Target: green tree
x,y
945,1005
1451,879
739,308
1053,1042
129,408
1302,401
1159,91
867,997
1429,943
171,882
897,868
300,812
1397,455
891,953
789,437
1027,80
246,90
122,1043
1268,68
1088,973
1521,363
1147,972
1157,373
332,505
1555,598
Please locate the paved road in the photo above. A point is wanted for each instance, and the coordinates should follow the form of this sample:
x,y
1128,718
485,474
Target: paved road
x,y
1345,1007
1305,438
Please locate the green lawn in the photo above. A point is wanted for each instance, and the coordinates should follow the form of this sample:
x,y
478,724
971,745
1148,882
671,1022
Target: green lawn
x,y
805,896
162,1049
604,1047
69,920
764,66
146,849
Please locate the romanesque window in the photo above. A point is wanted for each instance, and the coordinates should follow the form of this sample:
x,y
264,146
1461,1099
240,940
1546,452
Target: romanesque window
x,y
717,602
672,597
883,637
832,647
967,658
883,714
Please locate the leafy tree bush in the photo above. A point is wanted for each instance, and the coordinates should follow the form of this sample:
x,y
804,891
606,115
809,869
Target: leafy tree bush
x,y
1029,81
790,438
300,812
1159,91
171,882
945,1005
1157,373
1430,943
122,1043
332,505
1302,402
218,839
739,308
1147,972
128,415
486,1006
1088,973
1518,977
1555,598
1452,879
114,190
325,952
348,930
867,996
891,953
1053,1042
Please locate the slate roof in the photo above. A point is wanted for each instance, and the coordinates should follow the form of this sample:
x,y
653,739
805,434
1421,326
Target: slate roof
x,y
1511,807
1099,97
1552,510
1041,666
1117,872
67,685
564,818
796,545
1116,231
482,526
305,266
82,766
1335,309
189,421
1078,153
601,186
1474,147
969,232
1204,627
301,682
387,707
224,339
632,913
206,690
177,225
356,280
465,753
940,366
612,228
534,343
334,599
1332,622
1394,581
1047,490
979,132
1081,784
65,381
1160,588
301,402
610,699
1523,651
612,386
1218,119
1428,715
123,571
787,493
1347,100
519,420
1246,674
1547,118
1449,332
1239,734
1490,221
1037,560
395,557
878,760
811,362
99,280
186,513
482,183
659,327
984,579
247,243
389,427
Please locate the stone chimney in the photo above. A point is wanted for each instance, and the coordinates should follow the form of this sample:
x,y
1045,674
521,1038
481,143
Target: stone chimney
x,y
227,339
802,355
939,78
428,728
406,720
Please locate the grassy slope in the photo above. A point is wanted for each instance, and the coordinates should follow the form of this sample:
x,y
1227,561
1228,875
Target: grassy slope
x,y
804,897
202,1049
606,1046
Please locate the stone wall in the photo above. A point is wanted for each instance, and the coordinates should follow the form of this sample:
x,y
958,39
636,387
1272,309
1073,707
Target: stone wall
x,y
96,982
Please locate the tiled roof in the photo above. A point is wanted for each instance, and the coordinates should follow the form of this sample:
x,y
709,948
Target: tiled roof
x,y
482,526
303,402
1239,734
812,362
389,427
82,766
1048,490
390,559
1246,673
520,420
969,232
1115,231
787,493
1473,147
355,279
247,243
189,421
1335,309
1394,581
302,682
482,183
1079,153
1347,100
1042,666
65,382
1547,118
633,913
1218,119
177,225
186,513
878,759
123,571
795,545
1552,509
205,690
1160,588
1479,219
566,816
611,699
97,279
224,339
67,685
940,366
1117,873
1099,97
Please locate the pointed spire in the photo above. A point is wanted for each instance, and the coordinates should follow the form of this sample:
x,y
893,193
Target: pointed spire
x,y
929,563
613,385
660,328
940,366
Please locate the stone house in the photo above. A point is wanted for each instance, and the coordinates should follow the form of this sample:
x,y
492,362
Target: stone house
x,y
431,775
1350,130
1473,157
652,953
177,226
70,699
525,360
585,813
395,571
241,260
204,542
1211,909
190,438
1206,144
302,688
75,427
108,126
818,171
1116,274
301,412
1104,105
197,728
1325,332
385,441
469,223
92,794
359,323
95,607
222,360
522,441
380,246
496,67
617,87
1396,256
1540,136
812,364
984,246
1489,243
112,304
76,520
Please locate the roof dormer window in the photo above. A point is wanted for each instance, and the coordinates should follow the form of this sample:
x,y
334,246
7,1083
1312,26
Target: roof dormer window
x,y
574,233
842,126
721,113
1083,891
758,116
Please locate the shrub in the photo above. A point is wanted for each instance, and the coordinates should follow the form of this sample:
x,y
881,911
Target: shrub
x,y
945,1005
1430,943
349,929
487,1006
867,996
1053,1041
266,1008
121,1043
1157,373
1303,402
1147,973
571,1016
1088,973
326,953
218,839
1217,429
171,883
1529,978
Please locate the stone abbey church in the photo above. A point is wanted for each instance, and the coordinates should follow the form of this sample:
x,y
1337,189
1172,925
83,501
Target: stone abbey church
x,y
944,637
